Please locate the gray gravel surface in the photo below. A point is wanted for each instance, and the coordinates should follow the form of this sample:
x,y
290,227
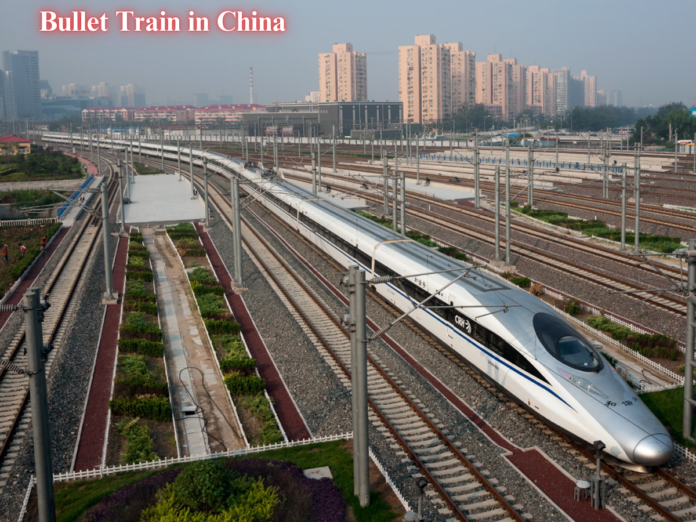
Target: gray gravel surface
x,y
69,378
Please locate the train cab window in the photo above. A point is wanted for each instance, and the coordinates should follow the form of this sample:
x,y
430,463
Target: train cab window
x,y
566,344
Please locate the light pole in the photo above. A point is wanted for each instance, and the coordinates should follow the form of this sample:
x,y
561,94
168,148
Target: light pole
x,y
205,178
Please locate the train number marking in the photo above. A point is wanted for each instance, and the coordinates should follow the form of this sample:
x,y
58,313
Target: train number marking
x,y
610,403
464,323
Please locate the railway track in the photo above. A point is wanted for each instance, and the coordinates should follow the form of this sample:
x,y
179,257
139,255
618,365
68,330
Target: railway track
x,y
15,406
465,491
666,302
661,492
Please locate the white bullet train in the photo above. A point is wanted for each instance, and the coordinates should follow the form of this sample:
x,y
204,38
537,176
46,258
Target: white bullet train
x,y
519,343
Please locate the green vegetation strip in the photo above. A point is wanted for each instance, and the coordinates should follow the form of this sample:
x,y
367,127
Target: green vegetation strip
x,y
649,345
144,170
668,407
73,499
41,164
597,228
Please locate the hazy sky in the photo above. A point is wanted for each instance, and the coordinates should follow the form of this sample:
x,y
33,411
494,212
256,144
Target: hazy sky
x,y
628,45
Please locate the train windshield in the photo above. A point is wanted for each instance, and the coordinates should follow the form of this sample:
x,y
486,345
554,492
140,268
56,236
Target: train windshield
x,y
566,344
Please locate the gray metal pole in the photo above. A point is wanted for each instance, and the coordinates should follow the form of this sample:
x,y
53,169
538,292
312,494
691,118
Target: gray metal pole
x,y
417,160
98,157
129,172
676,150
334,149
530,176
120,195
496,188
107,247
385,175
193,188
623,206
372,145
178,157
361,370
395,199
690,341
205,182
588,148
352,271
314,175
605,178
403,203
91,151
477,181
507,202
237,235
162,146
636,196
275,152
318,162
33,316
556,150
200,136
140,148
262,149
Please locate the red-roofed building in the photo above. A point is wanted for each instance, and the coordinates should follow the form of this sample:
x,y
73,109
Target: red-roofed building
x,y
171,113
12,145
229,113
97,114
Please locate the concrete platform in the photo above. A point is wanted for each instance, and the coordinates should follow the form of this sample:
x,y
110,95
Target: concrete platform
x,y
336,196
162,199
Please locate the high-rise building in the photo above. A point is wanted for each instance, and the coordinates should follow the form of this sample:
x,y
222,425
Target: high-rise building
x,y
343,74
76,90
132,96
425,79
45,89
463,79
313,97
590,84
200,99
562,88
484,83
519,87
103,90
24,66
615,99
601,98
8,107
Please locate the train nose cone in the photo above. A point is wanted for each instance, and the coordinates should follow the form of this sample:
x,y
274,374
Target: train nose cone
x,y
653,450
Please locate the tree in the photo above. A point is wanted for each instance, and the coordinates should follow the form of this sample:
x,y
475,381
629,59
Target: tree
x,y
470,117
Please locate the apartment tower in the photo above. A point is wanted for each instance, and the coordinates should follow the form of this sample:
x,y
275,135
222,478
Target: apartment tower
x,y
463,76
343,74
425,80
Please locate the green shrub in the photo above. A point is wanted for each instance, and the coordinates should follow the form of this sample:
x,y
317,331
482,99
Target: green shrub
x,y
261,409
141,347
522,282
202,275
571,306
193,252
138,442
219,327
147,407
140,276
617,332
136,245
138,326
138,253
182,227
135,290
188,242
200,289
232,344
239,384
452,252
23,262
211,305
204,486
650,345
138,263
139,306
242,365
133,378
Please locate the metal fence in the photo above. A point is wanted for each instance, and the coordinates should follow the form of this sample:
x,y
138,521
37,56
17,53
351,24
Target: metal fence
x,y
493,160
65,206
27,222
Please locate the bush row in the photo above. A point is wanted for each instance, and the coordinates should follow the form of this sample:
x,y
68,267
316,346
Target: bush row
x,y
650,345
141,347
23,263
240,384
147,406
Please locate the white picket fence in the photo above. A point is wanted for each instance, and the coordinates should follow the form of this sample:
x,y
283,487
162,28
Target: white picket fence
x,y
684,453
27,222
155,464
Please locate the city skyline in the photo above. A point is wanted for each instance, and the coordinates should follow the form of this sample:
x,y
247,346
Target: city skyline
x,y
285,65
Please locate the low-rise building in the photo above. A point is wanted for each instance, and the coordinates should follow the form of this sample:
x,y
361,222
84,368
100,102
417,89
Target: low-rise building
x,y
98,114
170,113
227,113
12,146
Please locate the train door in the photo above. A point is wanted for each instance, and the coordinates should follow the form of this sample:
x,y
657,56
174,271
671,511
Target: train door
x,y
450,314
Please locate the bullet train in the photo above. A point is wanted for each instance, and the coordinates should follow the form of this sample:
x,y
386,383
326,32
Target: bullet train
x,y
516,341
